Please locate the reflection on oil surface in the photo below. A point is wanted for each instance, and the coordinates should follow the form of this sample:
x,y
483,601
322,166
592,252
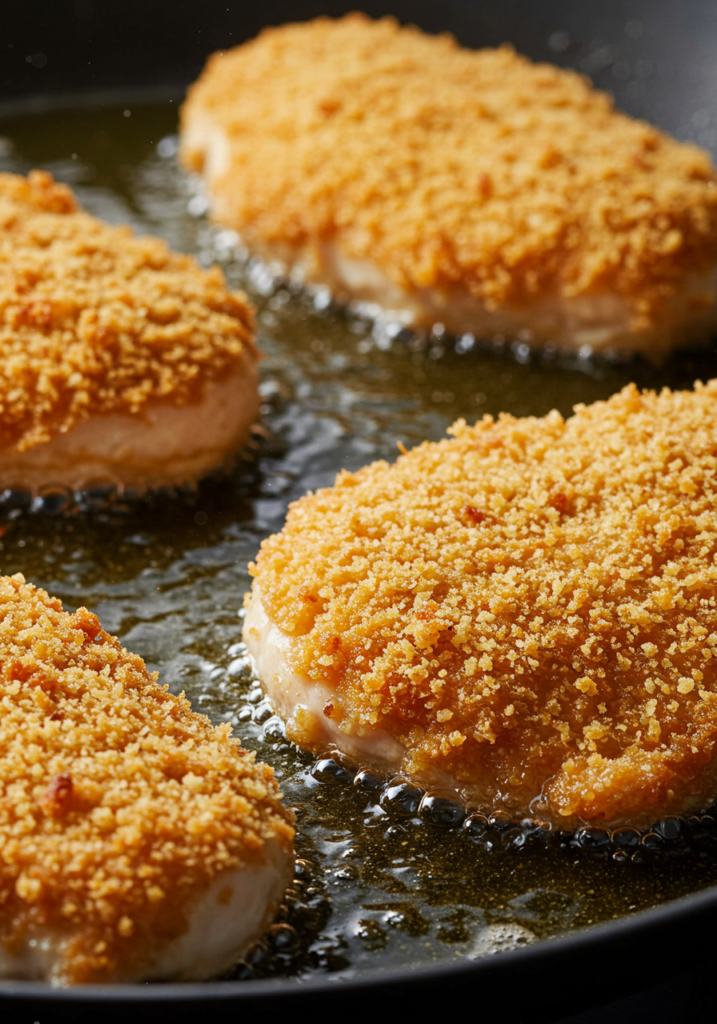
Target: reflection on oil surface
x,y
373,891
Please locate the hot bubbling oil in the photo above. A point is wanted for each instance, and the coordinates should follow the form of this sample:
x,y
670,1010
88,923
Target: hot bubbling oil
x,y
377,885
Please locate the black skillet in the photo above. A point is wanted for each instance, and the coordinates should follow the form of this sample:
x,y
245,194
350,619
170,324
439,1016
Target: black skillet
x,y
656,56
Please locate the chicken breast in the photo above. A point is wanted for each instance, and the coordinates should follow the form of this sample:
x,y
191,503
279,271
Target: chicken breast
x,y
526,611
139,841
119,360
474,189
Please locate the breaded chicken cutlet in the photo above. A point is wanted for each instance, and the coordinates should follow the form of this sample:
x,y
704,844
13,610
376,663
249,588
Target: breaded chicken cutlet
x,y
474,189
526,611
138,841
119,360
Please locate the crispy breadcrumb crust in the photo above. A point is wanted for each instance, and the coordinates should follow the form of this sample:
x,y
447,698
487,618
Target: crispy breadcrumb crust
x,y
450,167
118,803
94,319
529,606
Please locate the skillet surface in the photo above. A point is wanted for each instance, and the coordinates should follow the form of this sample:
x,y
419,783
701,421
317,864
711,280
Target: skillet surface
x,y
169,577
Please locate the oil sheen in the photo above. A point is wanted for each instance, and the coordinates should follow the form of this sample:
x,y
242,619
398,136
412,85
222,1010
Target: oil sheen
x,y
377,886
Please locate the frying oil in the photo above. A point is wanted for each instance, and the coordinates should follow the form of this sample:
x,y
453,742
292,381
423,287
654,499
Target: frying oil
x,y
374,889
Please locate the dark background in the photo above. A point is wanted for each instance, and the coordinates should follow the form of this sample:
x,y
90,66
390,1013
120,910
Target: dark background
x,y
656,56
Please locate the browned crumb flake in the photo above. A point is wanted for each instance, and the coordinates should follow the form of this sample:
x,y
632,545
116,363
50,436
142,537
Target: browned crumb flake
x,y
529,604
451,167
95,320
117,802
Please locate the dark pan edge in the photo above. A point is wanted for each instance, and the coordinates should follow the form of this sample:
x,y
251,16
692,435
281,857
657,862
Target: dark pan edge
x,y
648,942
48,103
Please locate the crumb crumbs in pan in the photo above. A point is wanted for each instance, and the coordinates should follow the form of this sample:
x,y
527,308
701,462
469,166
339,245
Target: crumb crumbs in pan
x,y
472,188
138,840
118,358
526,611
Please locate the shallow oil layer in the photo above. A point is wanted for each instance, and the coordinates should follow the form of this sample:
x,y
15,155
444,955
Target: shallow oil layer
x,y
376,889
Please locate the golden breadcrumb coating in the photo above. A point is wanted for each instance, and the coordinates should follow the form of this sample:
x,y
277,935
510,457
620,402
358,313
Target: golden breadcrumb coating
x,y
450,167
117,802
530,606
94,319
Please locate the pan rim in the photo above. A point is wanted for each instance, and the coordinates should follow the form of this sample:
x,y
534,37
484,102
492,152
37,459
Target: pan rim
x,y
582,941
